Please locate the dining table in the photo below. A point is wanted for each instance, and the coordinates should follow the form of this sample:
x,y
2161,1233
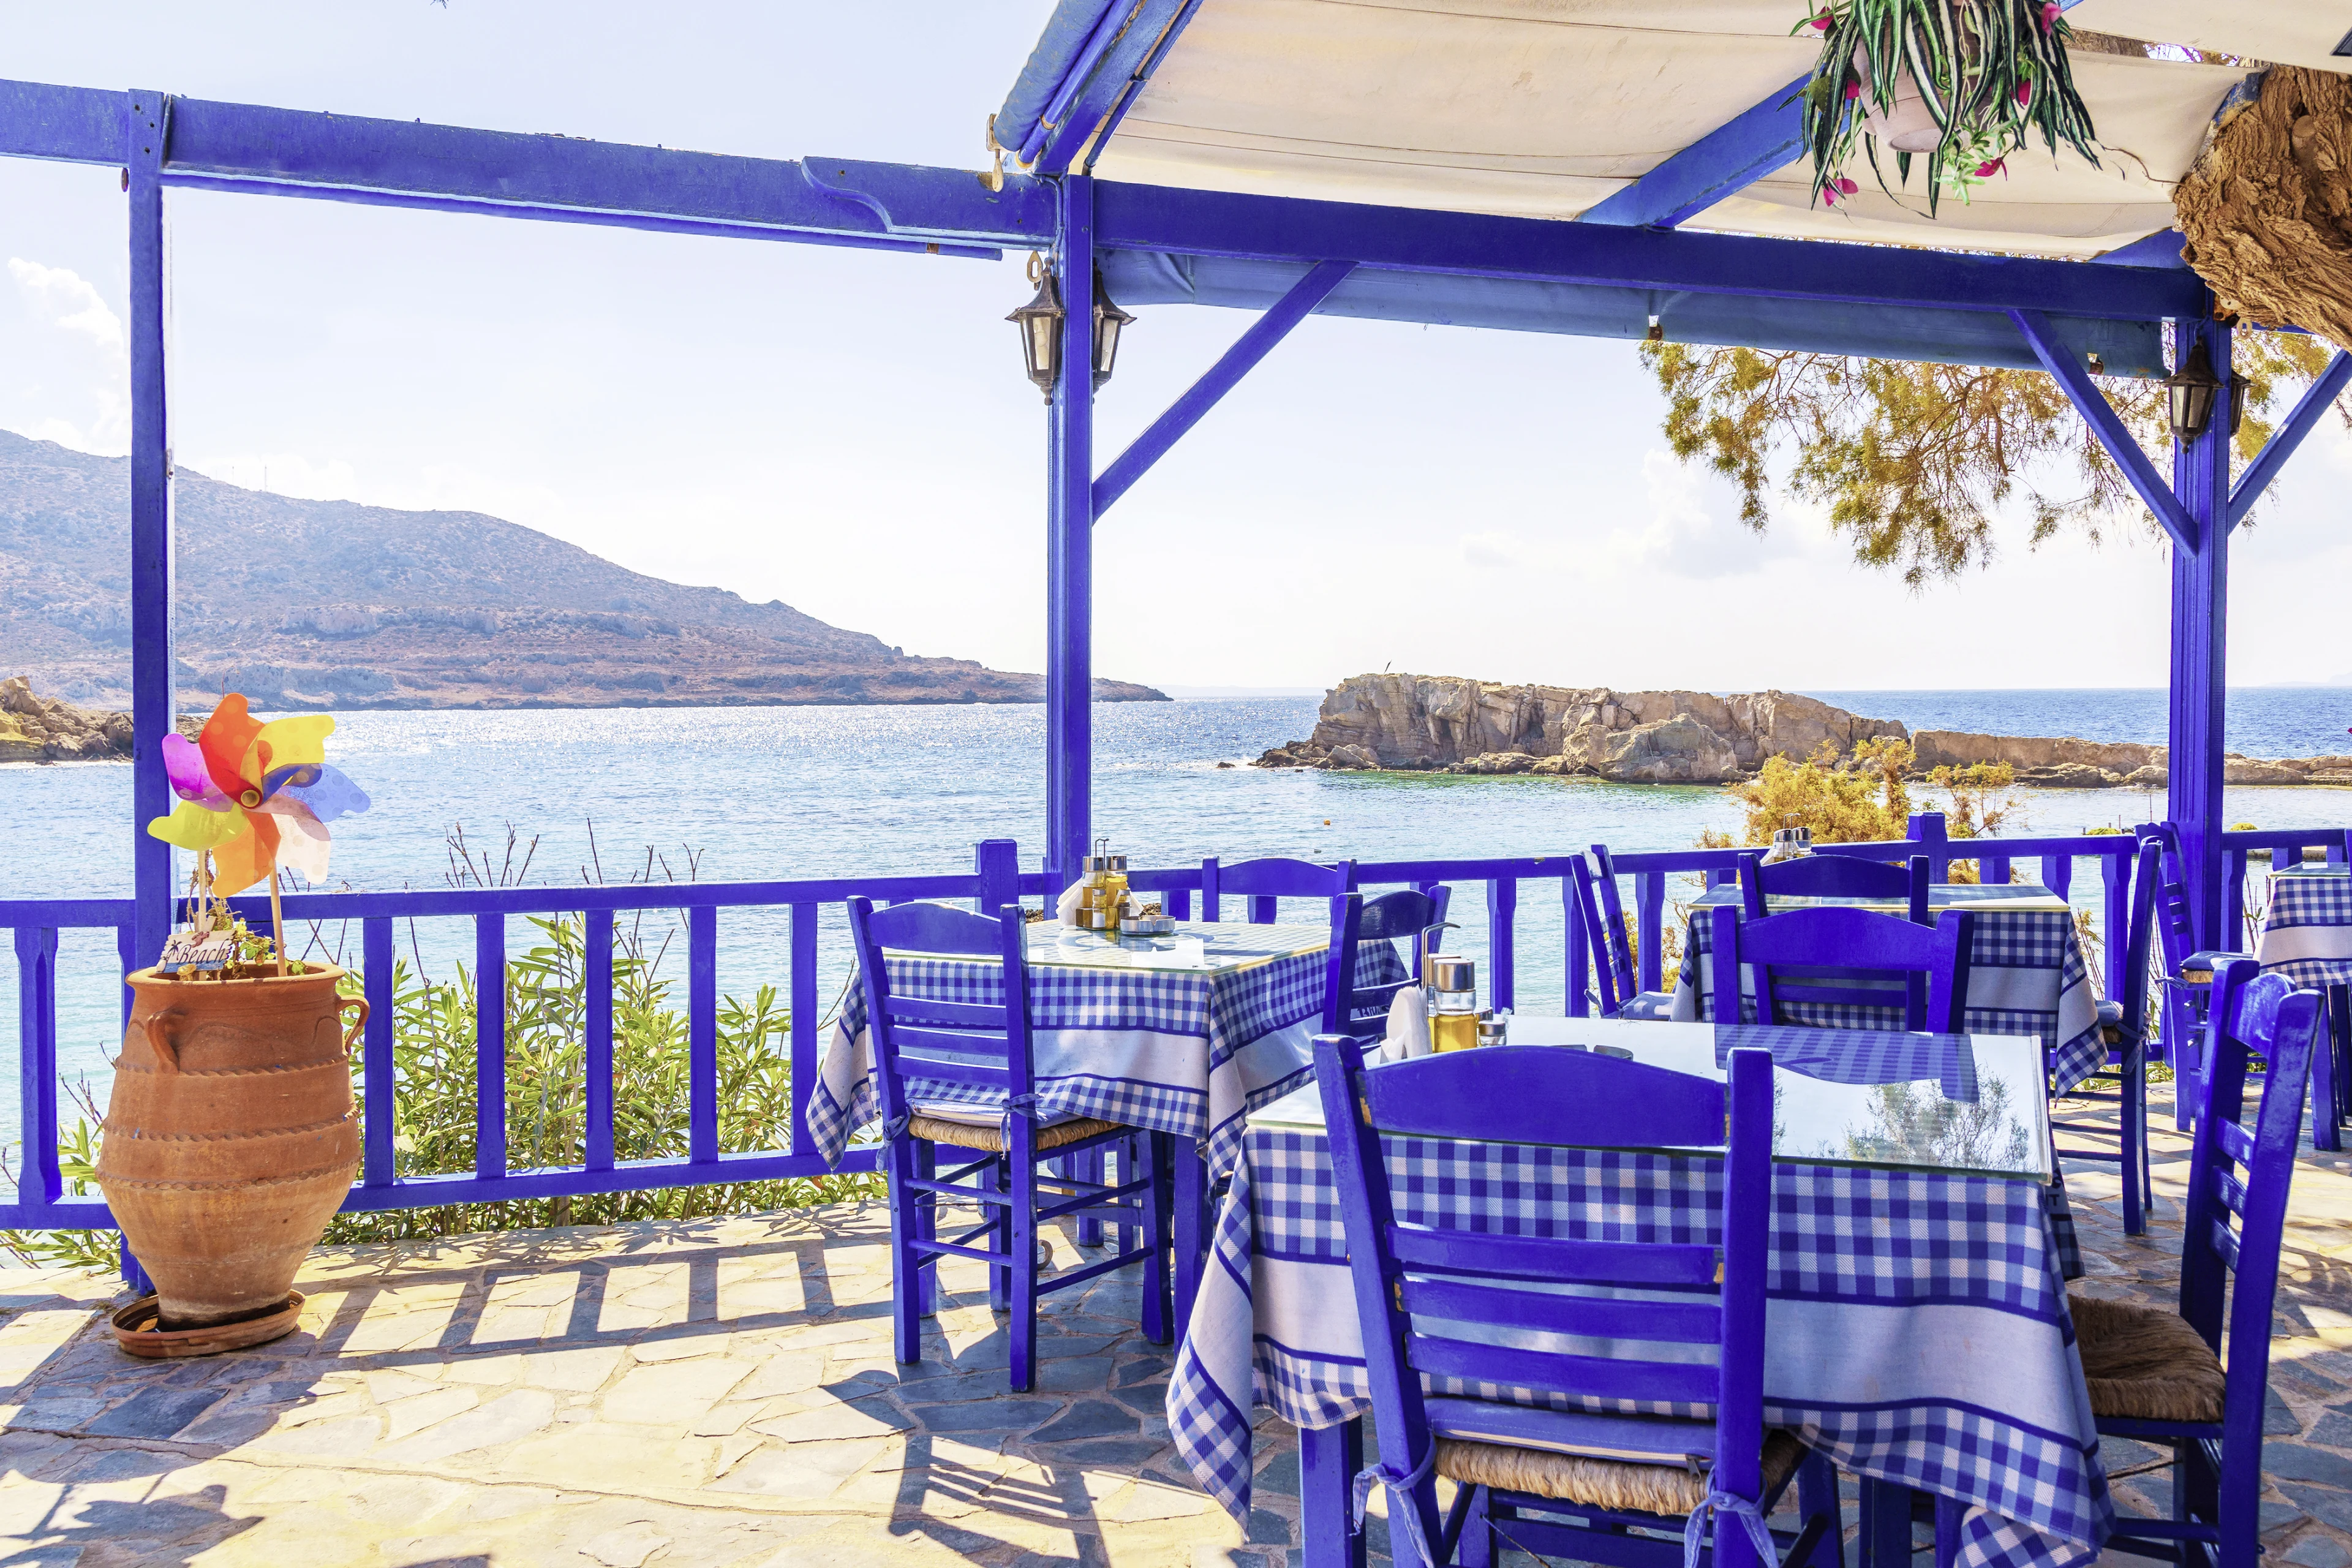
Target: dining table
x,y
2026,973
1917,1326
1181,1033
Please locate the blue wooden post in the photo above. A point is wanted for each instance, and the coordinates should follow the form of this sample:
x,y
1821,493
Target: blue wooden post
x,y
997,863
1070,557
146,117
702,1034
377,1073
2201,607
1927,827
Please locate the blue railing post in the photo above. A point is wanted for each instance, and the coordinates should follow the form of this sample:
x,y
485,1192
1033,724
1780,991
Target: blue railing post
x,y
2235,867
803,1024
1927,827
2115,871
596,1035
37,1179
2058,874
378,1082
702,1034
998,863
489,1047
134,1277
1580,960
146,126
1502,952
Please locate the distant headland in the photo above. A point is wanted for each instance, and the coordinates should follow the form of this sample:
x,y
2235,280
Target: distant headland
x,y
1449,723
318,605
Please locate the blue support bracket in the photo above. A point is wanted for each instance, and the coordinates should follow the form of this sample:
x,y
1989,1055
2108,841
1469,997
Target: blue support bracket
x,y
2316,400
1723,163
1223,377
2161,248
2108,426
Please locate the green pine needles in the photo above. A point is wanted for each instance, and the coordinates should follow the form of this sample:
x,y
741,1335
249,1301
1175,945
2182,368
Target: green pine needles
x,y
1992,74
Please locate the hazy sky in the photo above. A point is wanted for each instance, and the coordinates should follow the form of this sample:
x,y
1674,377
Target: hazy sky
x,y
850,432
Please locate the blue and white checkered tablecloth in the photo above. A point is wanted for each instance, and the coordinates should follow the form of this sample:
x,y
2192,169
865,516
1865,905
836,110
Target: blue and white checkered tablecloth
x,y
2026,976
2307,930
1918,1330
1185,1051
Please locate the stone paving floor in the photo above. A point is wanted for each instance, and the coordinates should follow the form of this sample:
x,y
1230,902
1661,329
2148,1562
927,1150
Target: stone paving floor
x,y
723,1393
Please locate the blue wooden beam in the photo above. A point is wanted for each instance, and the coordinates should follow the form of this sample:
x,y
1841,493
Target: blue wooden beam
x,y
1222,376
2084,394
143,129
1069,560
1109,88
1723,163
1218,222
249,147
1062,46
2316,400
2199,684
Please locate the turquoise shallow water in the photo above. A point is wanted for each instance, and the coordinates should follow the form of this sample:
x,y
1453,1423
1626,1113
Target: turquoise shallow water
x,y
777,792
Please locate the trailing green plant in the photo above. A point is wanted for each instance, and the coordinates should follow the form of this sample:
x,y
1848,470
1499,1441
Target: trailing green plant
x,y
1989,73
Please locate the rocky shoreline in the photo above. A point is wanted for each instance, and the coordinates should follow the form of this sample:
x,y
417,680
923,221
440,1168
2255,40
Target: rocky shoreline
x,y
44,730
1442,724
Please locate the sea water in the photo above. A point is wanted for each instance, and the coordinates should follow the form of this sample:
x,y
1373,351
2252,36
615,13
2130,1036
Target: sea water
x,y
775,794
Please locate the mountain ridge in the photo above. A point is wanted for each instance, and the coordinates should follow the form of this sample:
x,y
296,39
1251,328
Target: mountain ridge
x,y
412,609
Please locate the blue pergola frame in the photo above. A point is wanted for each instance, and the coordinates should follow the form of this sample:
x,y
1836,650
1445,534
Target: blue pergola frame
x,y
1084,77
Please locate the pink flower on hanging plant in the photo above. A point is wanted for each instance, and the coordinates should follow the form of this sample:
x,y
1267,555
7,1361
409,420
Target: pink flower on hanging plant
x,y
1846,187
1829,194
1986,171
1821,23
2025,93
2049,14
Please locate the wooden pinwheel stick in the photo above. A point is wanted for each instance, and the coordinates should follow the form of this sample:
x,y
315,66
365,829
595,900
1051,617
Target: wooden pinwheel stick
x,y
276,920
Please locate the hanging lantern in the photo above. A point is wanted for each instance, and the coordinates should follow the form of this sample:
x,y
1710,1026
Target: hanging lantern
x,y
1040,321
1109,319
2188,393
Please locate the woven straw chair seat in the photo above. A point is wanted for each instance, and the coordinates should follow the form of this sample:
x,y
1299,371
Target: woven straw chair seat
x,y
1616,1484
989,1138
2145,1363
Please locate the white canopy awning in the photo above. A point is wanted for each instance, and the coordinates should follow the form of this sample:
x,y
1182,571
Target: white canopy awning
x,y
1543,108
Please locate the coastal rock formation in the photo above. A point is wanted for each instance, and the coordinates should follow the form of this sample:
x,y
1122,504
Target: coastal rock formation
x,y
38,730
1427,722
1452,724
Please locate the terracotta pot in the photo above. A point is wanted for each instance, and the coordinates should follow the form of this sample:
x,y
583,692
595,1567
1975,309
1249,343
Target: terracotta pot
x,y
230,1139
1907,126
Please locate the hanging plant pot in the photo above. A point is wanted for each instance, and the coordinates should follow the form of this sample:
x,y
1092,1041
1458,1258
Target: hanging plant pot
x,y
1962,82
1909,125
230,1139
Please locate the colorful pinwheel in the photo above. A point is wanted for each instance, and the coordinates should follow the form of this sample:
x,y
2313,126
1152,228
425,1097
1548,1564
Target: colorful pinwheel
x,y
254,796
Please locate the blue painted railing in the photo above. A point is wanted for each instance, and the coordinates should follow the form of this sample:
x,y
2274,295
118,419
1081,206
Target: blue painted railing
x,y
994,880
2285,848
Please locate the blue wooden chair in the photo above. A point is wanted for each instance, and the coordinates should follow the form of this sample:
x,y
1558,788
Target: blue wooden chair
x,y
1834,877
2157,1376
985,1046
1264,881
2187,976
1829,958
2124,1023
1602,914
1446,1303
1362,1010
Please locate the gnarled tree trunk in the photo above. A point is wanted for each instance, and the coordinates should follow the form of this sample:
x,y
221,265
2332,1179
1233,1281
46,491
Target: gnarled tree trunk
x,y
2267,209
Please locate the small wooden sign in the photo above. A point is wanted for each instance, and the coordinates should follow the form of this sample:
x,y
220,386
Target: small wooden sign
x,y
189,948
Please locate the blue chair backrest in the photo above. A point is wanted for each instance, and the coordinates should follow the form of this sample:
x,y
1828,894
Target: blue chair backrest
x,y
1403,915
1264,881
2175,934
2140,944
985,1044
2240,1176
1418,1284
1819,955
1835,876
1603,914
